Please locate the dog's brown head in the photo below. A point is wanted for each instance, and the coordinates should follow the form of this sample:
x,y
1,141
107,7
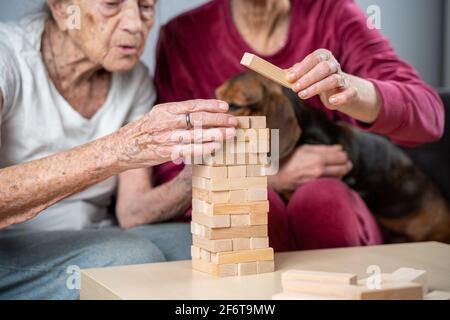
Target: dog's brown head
x,y
250,94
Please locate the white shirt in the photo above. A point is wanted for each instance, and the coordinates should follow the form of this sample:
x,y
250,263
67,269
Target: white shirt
x,y
36,121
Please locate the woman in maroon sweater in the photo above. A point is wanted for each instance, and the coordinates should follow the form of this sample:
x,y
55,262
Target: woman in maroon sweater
x,y
358,79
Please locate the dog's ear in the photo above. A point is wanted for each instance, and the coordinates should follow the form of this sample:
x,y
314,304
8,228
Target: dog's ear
x,y
281,115
232,91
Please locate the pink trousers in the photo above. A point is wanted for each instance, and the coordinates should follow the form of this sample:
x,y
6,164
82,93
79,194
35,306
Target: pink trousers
x,y
324,213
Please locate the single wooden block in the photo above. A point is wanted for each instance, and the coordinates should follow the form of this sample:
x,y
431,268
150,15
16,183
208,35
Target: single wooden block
x,y
252,134
237,172
235,232
256,171
240,220
252,219
240,244
259,243
229,184
265,69
258,122
257,194
388,291
437,295
243,122
243,256
259,146
218,221
209,172
215,269
237,196
211,196
195,252
265,266
412,275
198,229
286,295
319,276
205,255
247,268
238,208
401,275
212,245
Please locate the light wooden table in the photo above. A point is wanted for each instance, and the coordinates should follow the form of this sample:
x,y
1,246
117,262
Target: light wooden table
x,y
176,280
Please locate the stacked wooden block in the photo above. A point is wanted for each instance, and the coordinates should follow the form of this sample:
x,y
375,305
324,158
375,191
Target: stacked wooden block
x,y
402,284
230,205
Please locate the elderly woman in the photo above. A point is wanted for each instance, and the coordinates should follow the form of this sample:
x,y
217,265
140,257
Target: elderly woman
x,y
338,64
65,94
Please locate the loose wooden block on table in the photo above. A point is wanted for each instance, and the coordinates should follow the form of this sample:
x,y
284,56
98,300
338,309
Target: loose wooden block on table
x,y
396,290
265,68
326,277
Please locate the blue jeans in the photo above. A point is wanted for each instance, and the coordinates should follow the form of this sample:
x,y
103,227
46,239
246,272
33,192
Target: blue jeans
x,y
45,265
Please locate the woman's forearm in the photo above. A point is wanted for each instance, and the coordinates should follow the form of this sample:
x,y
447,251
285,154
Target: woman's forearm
x,y
158,204
29,188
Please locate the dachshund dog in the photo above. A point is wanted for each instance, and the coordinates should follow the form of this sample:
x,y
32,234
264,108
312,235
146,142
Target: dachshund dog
x,y
406,203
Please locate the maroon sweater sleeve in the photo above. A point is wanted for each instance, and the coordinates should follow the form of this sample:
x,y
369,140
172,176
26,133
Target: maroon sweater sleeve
x,y
412,112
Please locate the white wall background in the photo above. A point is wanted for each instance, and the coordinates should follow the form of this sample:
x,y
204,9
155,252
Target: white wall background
x,y
415,27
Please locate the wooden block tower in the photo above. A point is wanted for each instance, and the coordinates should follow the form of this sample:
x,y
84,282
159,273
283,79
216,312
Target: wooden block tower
x,y
230,206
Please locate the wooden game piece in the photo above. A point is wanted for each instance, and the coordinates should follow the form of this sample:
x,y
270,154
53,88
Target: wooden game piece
x,y
286,295
240,244
265,266
217,221
237,196
205,255
266,69
237,172
243,122
215,269
212,196
209,172
388,291
256,171
229,184
235,232
247,268
239,220
259,243
252,134
212,245
198,229
258,122
257,194
195,252
243,256
326,277
437,295
411,275
238,208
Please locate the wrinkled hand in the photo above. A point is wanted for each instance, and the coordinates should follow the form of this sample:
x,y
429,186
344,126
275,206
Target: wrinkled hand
x,y
162,135
310,162
320,74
